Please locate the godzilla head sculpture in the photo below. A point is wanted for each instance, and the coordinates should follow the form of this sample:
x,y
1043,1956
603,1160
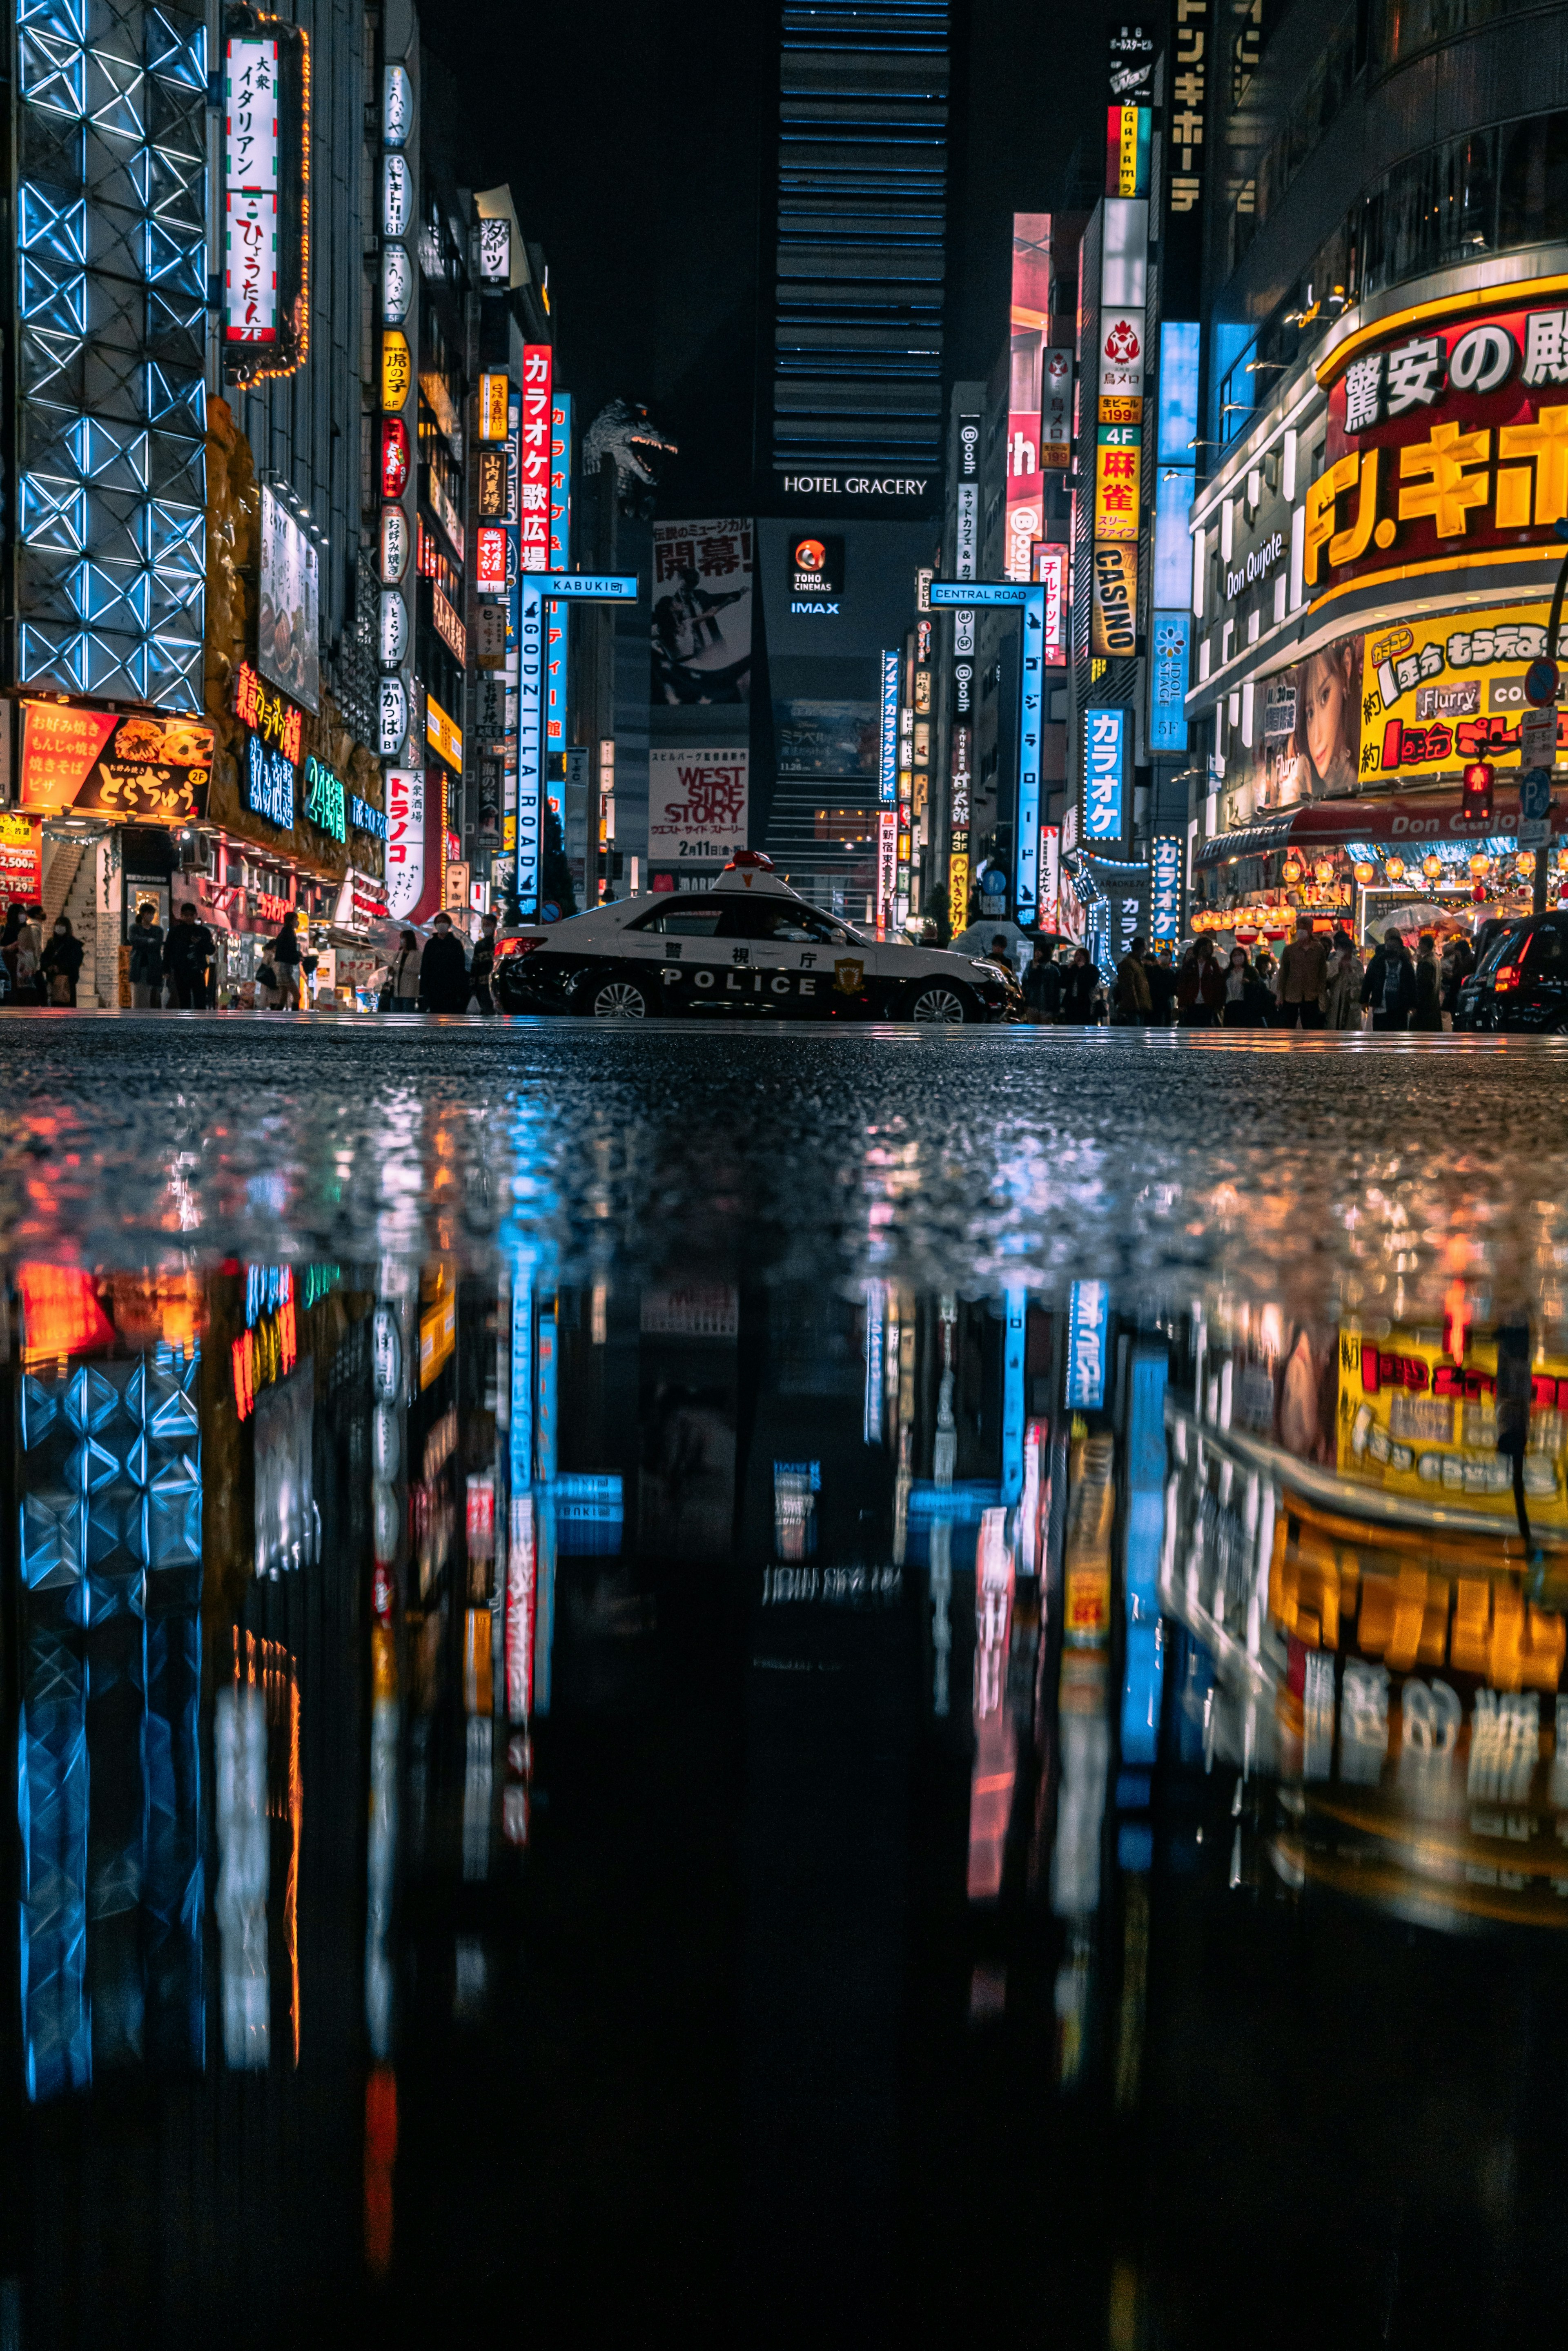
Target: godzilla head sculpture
x,y
625,433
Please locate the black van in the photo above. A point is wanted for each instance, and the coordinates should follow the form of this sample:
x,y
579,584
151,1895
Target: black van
x,y
1521,984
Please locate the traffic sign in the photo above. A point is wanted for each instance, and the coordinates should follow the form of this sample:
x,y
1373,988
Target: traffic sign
x,y
1538,737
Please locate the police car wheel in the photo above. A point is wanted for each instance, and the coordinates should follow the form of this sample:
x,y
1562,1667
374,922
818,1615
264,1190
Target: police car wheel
x,y
614,999
936,1001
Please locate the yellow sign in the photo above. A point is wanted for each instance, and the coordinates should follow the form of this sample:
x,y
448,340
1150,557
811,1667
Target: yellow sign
x,y
456,881
1414,1421
1115,619
443,734
493,391
1439,694
397,370
1086,1567
958,891
1118,463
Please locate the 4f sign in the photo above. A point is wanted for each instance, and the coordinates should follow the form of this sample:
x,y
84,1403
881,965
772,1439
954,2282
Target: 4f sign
x,y
1087,1318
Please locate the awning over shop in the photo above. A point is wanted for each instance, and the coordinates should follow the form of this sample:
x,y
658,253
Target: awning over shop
x,y
1394,817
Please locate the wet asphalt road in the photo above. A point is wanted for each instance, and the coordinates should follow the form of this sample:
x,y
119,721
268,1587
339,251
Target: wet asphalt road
x,y
1319,1169
733,2039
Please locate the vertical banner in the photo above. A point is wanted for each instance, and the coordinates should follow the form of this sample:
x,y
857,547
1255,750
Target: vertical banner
x,y
1168,682
887,772
1031,713
556,636
1030,325
405,841
1088,1314
1051,572
1049,876
1165,889
1104,776
534,496
886,866
531,741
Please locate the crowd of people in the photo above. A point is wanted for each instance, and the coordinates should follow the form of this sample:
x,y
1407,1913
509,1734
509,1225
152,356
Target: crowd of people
x,y
176,970
1319,980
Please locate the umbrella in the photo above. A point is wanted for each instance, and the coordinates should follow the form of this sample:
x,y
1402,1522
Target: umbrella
x,y
1420,917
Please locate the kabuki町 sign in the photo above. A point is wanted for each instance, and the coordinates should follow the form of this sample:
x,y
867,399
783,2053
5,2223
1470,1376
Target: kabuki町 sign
x,y
1447,443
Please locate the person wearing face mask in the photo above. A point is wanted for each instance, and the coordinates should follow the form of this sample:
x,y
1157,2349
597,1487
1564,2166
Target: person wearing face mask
x,y
62,963
146,940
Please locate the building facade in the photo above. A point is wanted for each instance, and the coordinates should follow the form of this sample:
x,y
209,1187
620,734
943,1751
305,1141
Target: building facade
x,y
1374,549
241,349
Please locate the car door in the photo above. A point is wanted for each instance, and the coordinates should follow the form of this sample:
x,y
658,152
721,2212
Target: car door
x,y
677,952
790,961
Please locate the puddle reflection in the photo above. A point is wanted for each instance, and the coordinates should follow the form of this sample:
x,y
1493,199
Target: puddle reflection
x,y
1004,1644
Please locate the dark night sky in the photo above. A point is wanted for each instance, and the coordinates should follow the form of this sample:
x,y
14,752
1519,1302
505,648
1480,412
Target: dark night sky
x,y
642,171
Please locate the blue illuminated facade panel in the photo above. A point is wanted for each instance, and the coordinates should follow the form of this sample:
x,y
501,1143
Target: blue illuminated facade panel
x,y
111,315
109,1771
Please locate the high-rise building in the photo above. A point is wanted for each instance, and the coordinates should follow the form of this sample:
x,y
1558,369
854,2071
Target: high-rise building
x,y
860,228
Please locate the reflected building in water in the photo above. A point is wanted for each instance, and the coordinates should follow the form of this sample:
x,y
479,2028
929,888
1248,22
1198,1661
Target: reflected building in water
x,y
420,1665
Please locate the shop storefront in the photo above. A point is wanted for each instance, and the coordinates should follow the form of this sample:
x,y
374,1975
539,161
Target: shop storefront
x,y
1373,569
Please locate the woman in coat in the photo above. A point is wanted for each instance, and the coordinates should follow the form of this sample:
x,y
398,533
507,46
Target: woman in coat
x,y
1079,984
405,973
146,938
1428,1013
1341,998
62,963
1389,986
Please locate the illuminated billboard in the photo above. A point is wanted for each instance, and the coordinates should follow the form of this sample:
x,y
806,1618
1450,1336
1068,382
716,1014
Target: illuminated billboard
x,y
267,202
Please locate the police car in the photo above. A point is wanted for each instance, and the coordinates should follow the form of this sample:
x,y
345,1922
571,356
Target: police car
x,y
749,945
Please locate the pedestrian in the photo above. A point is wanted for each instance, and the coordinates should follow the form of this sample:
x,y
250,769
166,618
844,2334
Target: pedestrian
x,y
61,964
940,921
1389,986
146,941
1162,978
1134,1002
285,959
1342,997
10,945
1200,988
1458,962
1241,1007
443,969
999,952
30,955
1303,977
187,952
1042,985
1427,1011
405,973
1080,985
482,968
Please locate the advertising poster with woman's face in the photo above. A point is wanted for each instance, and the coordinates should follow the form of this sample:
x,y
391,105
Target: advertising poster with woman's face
x,y
1328,719
1308,741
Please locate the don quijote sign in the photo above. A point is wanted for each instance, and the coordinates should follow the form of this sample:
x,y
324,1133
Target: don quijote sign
x,y
1258,563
